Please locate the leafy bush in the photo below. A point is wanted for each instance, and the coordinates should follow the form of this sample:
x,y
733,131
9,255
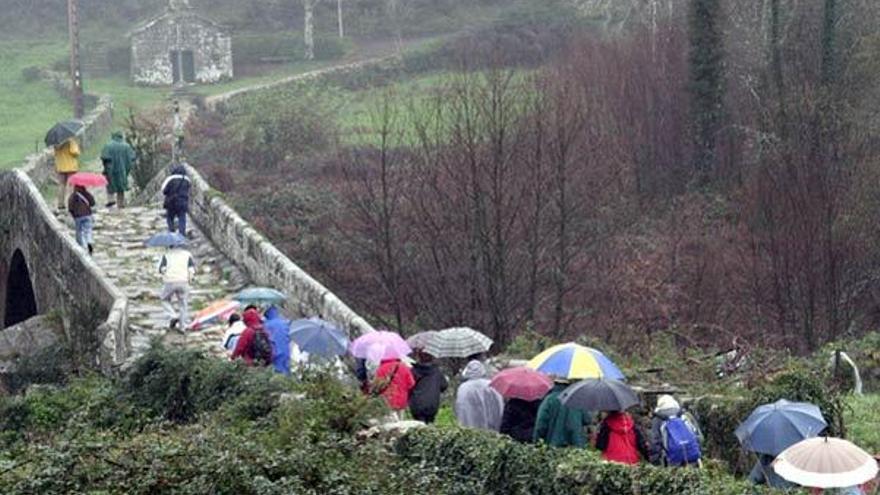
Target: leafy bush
x,y
179,386
488,463
719,415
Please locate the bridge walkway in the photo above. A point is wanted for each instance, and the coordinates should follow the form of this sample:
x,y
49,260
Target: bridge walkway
x,y
119,250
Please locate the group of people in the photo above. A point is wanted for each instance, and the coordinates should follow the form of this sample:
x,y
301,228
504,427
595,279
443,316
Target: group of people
x,y
118,158
674,439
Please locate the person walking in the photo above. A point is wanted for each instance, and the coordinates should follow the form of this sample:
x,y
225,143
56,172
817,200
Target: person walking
x,y
176,189
394,382
118,158
558,425
66,164
518,420
477,405
620,439
177,267
675,435
254,345
424,400
278,329
80,206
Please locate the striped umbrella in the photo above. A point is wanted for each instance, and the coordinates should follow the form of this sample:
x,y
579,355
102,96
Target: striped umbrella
x,y
421,339
575,362
216,312
459,342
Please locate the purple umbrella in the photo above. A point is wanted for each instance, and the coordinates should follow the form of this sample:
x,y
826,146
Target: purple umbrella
x,y
376,346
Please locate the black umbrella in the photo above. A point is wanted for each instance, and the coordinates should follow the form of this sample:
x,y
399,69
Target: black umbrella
x,y
63,131
599,394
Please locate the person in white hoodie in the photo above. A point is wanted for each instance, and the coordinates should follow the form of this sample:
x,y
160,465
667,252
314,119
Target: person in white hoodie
x,y
477,405
177,268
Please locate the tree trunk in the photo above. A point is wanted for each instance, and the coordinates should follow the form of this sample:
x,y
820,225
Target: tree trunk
x,y
309,28
339,18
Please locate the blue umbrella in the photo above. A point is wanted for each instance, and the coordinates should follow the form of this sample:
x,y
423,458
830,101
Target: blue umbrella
x,y
772,428
166,239
318,337
260,295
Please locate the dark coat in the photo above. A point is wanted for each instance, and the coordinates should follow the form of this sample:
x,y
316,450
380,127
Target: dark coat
x,y
176,189
558,425
519,419
80,203
424,399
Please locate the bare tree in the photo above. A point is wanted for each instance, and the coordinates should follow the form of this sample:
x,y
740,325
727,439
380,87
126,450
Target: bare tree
x,y
309,27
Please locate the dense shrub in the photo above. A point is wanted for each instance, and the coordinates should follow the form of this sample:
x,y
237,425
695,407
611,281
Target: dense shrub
x,y
720,415
487,463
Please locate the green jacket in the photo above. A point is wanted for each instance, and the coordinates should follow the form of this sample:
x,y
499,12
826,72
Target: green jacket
x,y
118,158
558,425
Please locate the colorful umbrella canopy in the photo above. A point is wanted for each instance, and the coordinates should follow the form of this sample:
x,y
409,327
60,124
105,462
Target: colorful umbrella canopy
x,y
260,295
772,428
166,239
825,463
421,339
318,337
575,362
87,179
599,394
216,312
376,346
521,383
459,342
62,131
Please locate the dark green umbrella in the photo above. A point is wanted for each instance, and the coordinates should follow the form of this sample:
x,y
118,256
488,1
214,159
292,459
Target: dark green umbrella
x,y
63,131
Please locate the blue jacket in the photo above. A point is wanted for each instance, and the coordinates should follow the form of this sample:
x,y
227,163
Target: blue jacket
x,y
279,333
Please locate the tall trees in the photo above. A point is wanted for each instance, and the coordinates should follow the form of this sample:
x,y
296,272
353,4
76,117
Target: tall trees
x,y
706,85
309,27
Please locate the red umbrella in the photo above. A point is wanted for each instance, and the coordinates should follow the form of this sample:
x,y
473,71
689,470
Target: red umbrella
x,y
87,179
522,383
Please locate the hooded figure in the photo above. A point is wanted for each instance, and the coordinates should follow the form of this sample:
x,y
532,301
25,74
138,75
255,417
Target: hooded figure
x,y
558,425
253,345
620,440
764,474
667,408
519,418
66,164
279,333
477,405
118,158
424,399
176,189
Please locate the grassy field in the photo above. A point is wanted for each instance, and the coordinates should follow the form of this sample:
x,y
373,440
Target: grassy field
x,y
27,109
863,421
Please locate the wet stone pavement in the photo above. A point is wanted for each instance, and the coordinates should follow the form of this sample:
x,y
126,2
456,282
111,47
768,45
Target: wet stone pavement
x,y
119,250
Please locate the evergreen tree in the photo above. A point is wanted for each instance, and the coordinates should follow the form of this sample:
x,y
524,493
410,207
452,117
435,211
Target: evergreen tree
x,y
706,84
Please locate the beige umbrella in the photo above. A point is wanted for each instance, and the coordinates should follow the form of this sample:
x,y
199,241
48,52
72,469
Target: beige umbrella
x,y
824,462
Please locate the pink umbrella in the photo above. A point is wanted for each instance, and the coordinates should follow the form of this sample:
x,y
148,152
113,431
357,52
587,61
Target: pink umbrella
x,y
87,179
376,346
522,383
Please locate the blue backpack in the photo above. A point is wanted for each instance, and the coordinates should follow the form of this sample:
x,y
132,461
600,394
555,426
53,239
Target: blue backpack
x,y
680,442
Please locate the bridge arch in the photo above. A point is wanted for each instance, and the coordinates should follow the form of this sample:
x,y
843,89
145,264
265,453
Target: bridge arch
x,y
21,302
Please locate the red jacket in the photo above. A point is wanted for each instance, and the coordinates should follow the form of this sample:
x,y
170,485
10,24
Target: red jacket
x,y
396,393
620,440
254,324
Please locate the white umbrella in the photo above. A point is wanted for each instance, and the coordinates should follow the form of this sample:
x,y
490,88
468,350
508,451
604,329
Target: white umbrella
x,y
824,462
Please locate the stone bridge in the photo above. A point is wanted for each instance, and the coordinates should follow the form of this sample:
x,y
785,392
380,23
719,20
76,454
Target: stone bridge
x,y
44,272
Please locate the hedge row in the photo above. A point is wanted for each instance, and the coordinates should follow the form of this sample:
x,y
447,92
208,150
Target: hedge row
x,y
480,462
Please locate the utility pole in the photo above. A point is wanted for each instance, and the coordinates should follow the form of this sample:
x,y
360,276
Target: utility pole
x,y
75,72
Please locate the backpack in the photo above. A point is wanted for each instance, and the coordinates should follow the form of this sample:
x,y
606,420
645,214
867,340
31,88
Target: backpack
x,y
261,348
680,442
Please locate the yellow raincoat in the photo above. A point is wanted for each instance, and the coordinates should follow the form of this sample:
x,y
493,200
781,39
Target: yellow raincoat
x,y
67,157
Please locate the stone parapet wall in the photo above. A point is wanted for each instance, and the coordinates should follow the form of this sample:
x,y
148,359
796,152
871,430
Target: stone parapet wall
x,y
264,264
63,277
